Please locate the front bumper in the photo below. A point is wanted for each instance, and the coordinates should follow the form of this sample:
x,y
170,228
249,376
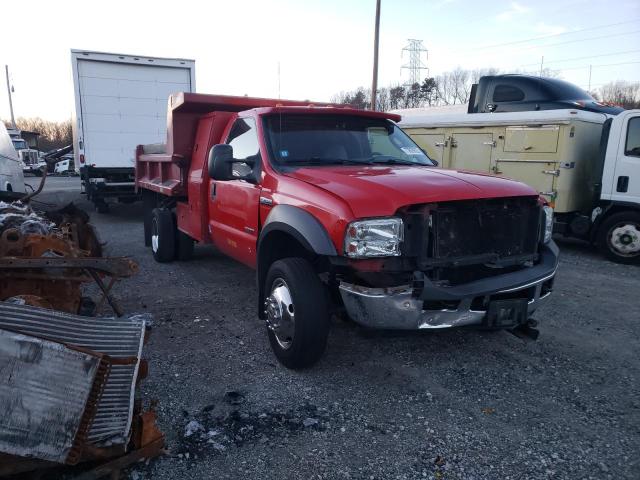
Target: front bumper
x,y
400,308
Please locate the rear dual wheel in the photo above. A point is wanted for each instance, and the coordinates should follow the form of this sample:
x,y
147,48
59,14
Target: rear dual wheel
x,y
167,242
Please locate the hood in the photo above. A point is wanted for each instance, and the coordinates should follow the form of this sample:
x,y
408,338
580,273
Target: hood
x,y
372,191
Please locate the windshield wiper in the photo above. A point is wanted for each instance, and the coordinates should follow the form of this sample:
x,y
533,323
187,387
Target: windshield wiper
x,y
389,159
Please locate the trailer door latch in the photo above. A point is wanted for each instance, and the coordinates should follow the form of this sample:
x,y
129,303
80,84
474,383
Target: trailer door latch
x,y
555,173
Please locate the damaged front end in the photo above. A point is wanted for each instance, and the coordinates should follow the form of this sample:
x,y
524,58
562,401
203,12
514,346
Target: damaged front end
x,y
484,263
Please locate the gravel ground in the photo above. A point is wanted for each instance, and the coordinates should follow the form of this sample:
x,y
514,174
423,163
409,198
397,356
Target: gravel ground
x,y
446,405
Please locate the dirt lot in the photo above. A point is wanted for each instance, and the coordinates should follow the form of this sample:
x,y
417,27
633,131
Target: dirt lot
x,y
453,404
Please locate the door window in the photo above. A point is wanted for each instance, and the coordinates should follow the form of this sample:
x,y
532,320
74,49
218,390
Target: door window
x,y
632,147
507,93
244,140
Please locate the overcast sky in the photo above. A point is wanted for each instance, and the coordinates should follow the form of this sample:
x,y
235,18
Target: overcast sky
x,y
323,46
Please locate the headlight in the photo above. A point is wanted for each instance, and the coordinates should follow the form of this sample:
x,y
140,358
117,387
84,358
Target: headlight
x,y
548,223
374,238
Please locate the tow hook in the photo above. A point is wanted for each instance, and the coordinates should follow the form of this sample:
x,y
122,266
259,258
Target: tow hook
x,y
527,331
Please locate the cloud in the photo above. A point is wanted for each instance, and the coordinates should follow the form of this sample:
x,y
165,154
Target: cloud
x,y
515,9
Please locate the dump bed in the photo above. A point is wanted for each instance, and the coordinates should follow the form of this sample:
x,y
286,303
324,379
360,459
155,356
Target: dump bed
x,y
163,168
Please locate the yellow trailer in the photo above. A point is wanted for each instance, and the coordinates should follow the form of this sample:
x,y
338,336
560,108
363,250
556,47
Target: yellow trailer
x,y
555,151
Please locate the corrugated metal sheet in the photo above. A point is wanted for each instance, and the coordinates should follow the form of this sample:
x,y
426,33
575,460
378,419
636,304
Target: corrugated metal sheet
x,y
120,338
45,388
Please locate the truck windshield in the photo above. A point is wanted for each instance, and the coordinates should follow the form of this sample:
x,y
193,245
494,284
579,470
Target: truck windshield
x,y
325,139
19,144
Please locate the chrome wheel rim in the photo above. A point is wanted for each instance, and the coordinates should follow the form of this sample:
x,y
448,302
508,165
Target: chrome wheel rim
x,y
280,312
625,239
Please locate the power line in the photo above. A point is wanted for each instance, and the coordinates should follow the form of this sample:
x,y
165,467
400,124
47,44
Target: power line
x,y
543,37
600,65
578,58
582,40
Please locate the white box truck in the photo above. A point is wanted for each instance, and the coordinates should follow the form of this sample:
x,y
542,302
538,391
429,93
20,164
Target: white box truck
x,y
586,164
120,101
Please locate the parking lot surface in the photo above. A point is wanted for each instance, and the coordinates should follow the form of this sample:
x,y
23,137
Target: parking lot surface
x,y
456,404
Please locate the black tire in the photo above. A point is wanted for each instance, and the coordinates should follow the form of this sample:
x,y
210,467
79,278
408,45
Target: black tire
x,y
102,207
607,236
163,235
184,246
311,313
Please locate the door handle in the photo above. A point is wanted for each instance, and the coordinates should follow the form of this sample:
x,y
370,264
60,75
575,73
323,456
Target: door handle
x,y
623,184
492,143
441,144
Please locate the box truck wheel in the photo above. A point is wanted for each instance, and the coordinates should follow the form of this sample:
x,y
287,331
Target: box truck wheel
x,y
619,237
163,235
101,206
297,312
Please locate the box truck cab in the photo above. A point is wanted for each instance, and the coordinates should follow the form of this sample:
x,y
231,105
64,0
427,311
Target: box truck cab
x,y
574,158
338,210
120,100
29,157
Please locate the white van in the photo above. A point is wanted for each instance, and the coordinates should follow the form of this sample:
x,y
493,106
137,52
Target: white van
x,y
11,176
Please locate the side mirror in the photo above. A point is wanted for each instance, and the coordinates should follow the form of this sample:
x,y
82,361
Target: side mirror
x,y
220,162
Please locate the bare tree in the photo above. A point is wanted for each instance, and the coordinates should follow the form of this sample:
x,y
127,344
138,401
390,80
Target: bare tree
x,y
52,134
622,93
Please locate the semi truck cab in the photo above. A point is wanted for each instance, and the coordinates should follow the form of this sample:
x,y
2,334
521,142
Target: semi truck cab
x,y
340,212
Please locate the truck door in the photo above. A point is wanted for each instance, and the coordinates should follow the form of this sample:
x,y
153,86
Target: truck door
x,y
626,177
471,151
433,144
233,204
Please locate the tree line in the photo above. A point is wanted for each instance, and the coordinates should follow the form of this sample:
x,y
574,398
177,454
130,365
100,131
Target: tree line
x,y
454,87
53,134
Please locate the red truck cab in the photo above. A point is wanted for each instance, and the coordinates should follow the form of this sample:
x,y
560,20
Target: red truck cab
x,y
339,211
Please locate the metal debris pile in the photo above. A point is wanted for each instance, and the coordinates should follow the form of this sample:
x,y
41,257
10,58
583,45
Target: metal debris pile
x,y
68,379
46,258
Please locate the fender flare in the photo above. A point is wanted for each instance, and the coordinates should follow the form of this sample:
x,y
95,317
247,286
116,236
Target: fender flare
x,y
300,225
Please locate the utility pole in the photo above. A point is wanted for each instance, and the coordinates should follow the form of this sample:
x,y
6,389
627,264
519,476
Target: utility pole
x,y
374,81
541,64
9,88
589,89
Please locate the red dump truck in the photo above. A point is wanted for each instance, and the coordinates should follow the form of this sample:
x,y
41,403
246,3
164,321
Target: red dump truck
x,y
340,212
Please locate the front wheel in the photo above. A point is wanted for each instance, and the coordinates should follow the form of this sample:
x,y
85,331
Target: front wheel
x,y
297,313
619,237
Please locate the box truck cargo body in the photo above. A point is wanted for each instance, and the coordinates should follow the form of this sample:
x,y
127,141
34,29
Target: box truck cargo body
x,y
119,100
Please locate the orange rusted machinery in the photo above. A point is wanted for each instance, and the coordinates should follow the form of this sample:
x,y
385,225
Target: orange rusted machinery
x,y
45,260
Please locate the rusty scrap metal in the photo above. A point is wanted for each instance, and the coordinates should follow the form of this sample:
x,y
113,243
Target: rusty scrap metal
x,y
48,396
45,259
114,266
119,338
